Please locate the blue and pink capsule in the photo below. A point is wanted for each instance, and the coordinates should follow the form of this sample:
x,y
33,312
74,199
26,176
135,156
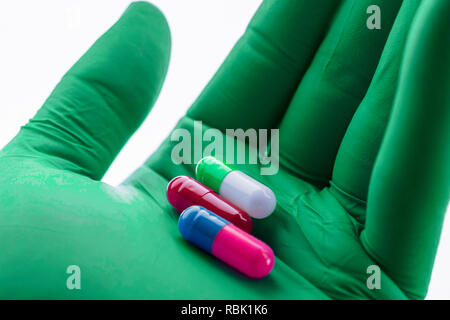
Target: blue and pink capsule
x,y
225,241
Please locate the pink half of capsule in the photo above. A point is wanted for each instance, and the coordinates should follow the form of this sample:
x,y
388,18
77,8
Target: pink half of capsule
x,y
225,241
244,252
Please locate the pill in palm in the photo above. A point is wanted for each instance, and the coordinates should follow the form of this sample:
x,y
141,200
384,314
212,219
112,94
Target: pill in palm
x,y
184,191
225,241
235,186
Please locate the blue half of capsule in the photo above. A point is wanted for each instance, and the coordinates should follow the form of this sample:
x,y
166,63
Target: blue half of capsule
x,y
200,226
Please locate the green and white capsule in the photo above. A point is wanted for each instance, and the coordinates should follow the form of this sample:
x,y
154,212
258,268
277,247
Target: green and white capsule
x,y
235,186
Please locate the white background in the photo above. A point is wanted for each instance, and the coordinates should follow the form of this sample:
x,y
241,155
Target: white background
x,y
40,40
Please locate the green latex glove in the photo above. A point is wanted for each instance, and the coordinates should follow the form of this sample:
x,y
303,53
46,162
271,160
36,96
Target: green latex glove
x,y
311,68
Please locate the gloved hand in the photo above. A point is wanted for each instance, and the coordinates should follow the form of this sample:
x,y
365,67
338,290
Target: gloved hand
x,y
353,189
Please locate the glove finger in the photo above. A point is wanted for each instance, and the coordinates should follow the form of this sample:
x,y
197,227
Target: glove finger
x,y
361,143
255,83
331,90
103,98
410,186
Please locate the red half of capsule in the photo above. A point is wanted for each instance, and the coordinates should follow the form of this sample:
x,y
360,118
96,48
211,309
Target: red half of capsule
x,y
184,191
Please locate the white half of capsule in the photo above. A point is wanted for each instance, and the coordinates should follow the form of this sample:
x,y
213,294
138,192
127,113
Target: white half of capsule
x,y
248,194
